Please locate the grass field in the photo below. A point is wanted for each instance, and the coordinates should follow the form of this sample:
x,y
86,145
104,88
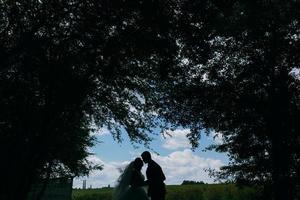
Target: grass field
x,y
181,192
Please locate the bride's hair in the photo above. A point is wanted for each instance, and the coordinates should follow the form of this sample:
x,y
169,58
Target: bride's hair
x,y
123,183
138,164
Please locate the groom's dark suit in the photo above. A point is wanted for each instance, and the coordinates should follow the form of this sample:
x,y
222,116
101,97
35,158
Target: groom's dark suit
x,y
156,177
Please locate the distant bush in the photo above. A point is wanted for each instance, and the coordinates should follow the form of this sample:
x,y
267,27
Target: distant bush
x,y
185,182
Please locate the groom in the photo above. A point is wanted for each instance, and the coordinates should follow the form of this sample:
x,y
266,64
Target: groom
x,y
155,178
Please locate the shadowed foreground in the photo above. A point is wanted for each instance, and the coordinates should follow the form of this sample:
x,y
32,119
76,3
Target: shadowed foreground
x,y
182,192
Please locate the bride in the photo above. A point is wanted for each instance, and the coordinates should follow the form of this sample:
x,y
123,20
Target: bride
x,y
130,183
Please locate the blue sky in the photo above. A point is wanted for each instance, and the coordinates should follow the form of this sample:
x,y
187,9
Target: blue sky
x,y
174,154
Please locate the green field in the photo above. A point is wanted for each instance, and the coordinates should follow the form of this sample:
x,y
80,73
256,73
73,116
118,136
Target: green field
x,y
181,192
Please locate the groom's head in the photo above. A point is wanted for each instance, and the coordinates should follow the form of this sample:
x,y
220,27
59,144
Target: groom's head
x,y
146,156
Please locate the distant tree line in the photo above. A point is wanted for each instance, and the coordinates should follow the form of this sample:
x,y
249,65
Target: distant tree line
x,y
186,182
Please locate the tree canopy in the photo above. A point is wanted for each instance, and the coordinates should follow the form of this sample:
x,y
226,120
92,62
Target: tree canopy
x,y
242,80
69,65
227,66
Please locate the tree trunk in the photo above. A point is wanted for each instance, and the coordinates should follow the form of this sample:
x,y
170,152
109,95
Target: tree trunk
x,y
280,176
279,136
17,175
17,187
45,182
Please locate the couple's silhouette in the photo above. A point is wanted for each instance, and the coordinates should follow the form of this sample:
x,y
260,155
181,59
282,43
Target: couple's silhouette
x,y
131,181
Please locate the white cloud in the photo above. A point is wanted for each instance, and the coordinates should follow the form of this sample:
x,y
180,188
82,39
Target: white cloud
x,y
295,72
217,137
186,165
177,166
176,139
105,177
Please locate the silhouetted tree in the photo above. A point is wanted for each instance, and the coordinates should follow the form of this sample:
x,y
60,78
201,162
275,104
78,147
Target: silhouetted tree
x,y
66,65
242,60
186,182
228,66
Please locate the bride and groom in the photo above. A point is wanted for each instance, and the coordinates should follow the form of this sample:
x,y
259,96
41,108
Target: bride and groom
x,y
131,181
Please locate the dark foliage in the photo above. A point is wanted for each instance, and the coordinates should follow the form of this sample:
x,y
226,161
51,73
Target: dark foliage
x,y
68,65
227,66
186,182
242,81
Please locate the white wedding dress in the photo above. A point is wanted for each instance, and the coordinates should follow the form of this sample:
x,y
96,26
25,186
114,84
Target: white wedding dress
x,y
130,185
